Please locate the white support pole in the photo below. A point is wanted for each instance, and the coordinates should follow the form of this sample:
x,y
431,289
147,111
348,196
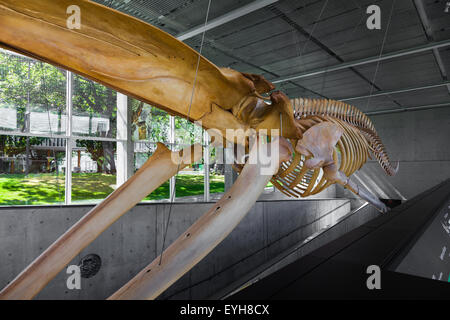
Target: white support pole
x,y
125,146
70,141
172,194
229,173
206,155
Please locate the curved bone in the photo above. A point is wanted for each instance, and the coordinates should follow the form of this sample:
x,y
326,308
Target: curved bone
x,y
158,169
203,236
124,53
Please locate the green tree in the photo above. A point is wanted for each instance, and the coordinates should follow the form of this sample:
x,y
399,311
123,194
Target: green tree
x,y
29,85
95,100
148,123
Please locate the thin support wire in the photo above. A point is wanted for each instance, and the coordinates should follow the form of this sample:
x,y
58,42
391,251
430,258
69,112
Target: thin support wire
x,y
302,51
50,128
188,114
342,46
380,54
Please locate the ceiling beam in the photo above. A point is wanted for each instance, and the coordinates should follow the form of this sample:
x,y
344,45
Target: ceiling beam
x,y
429,33
408,109
309,35
395,91
230,16
359,62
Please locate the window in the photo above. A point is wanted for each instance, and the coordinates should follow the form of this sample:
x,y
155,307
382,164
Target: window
x,y
151,125
60,142
32,170
217,171
148,124
32,131
94,109
32,96
93,170
190,182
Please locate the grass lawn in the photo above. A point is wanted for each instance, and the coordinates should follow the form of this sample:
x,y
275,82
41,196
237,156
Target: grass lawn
x,y
18,189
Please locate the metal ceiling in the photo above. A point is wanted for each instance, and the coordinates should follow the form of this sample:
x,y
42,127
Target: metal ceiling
x,y
323,45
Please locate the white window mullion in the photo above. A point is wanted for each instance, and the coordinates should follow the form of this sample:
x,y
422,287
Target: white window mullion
x,y
69,142
172,143
206,156
124,144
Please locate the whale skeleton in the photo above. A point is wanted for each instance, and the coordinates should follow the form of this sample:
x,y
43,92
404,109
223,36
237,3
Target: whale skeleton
x,y
319,141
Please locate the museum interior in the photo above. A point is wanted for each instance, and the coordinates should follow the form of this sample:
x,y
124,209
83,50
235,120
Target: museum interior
x,y
97,97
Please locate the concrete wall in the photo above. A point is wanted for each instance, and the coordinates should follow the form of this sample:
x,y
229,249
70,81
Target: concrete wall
x,y
134,240
420,141
268,194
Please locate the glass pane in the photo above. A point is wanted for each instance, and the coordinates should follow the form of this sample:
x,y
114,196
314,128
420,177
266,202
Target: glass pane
x,y
32,95
93,170
148,123
94,109
187,133
216,171
143,150
31,170
189,183
190,180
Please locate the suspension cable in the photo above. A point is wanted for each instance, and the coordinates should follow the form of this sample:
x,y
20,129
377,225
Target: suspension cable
x,y
380,54
172,194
